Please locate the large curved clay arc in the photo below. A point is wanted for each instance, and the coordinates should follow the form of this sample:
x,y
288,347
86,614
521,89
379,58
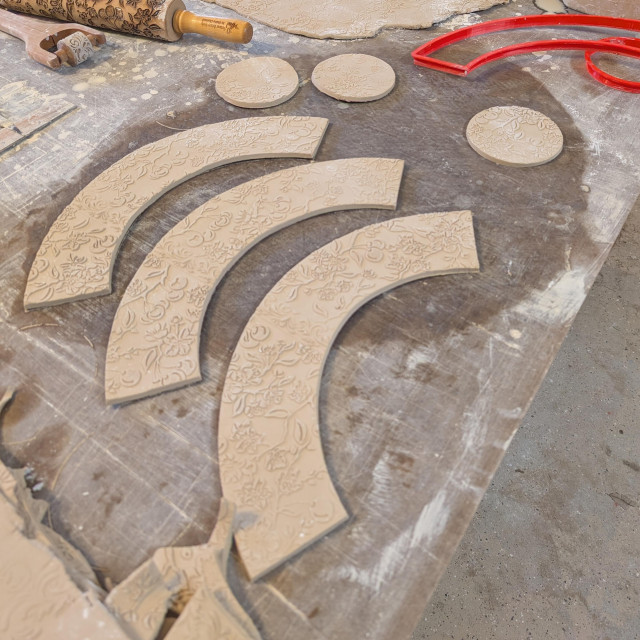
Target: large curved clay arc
x,y
155,336
270,454
76,258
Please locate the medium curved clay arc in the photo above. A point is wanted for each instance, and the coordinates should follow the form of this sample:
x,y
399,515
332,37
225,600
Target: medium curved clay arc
x,y
76,258
155,336
269,448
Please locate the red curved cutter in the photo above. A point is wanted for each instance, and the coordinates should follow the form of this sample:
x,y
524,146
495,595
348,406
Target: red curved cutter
x,y
623,46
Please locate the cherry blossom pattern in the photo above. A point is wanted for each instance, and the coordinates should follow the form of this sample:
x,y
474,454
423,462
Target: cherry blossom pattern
x,y
269,449
155,336
75,260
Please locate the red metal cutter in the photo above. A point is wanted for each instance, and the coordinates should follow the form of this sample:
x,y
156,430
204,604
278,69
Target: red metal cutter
x,y
623,46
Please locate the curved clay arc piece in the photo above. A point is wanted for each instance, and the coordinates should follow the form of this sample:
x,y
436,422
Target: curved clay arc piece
x,y
76,258
155,336
269,449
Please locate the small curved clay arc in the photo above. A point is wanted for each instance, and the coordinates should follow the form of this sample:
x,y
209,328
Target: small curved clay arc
x,y
155,336
76,258
269,448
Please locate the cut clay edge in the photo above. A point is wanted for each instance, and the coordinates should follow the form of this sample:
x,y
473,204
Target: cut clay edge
x,y
516,165
474,266
337,96
329,35
197,375
265,105
107,288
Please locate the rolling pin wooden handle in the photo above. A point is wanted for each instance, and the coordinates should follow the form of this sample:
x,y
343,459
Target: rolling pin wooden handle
x,y
218,28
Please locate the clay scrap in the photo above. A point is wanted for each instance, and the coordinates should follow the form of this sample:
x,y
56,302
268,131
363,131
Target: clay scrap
x,y
155,336
352,18
190,582
257,83
269,449
354,77
75,260
515,136
43,596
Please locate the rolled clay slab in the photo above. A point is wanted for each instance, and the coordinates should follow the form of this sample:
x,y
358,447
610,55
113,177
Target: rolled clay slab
x,y
615,8
515,136
354,77
350,18
257,83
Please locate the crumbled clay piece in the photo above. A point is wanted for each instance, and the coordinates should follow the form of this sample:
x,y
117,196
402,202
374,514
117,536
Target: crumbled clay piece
x,y
352,18
141,601
31,512
86,618
515,136
39,599
183,579
269,449
155,336
257,83
354,77
206,618
75,260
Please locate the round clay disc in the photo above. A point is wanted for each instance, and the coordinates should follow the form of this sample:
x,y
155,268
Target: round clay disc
x,y
515,136
354,77
257,83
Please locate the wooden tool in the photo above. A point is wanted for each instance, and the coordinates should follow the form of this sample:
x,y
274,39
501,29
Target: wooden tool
x,y
161,19
73,41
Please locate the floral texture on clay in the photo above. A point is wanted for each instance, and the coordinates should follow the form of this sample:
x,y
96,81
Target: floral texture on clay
x,y
269,449
75,260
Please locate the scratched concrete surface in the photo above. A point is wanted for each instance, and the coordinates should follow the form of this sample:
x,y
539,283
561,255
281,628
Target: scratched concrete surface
x,y
425,387
554,549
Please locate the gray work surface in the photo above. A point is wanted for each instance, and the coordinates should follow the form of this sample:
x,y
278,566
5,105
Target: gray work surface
x,y
425,386
553,550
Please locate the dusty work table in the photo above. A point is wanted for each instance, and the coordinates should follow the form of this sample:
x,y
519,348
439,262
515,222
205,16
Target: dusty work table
x,y
425,386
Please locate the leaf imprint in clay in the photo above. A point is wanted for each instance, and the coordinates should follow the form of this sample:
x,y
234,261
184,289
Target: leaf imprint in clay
x,y
354,77
155,336
515,136
269,448
257,83
75,260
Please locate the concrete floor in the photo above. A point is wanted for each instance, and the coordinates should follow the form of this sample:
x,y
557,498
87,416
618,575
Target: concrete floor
x,y
554,549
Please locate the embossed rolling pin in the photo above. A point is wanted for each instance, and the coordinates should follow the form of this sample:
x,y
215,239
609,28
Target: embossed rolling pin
x,y
160,19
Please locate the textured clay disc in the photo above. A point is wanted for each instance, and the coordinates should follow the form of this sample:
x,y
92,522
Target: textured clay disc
x,y
515,136
257,83
354,77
